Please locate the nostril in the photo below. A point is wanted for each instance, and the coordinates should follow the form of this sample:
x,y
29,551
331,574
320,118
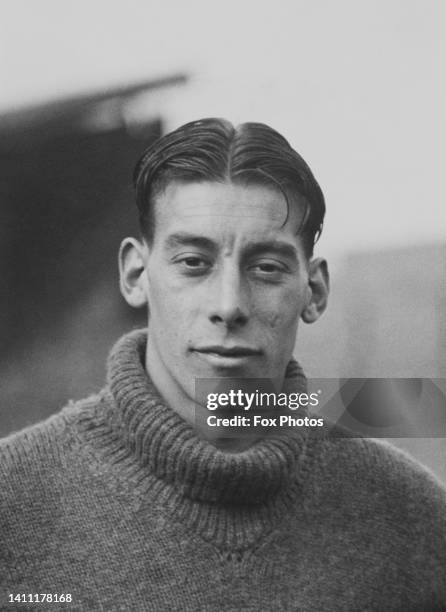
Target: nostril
x,y
216,319
241,319
230,319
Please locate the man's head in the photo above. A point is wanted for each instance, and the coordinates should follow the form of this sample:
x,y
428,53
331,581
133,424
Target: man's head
x,y
228,218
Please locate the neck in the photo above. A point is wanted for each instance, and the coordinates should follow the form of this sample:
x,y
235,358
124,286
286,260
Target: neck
x,y
168,387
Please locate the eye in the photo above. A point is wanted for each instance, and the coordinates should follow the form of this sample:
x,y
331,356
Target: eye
x,y
268,270
268,267
192,264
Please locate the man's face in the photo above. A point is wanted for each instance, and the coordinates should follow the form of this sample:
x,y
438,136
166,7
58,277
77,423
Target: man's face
x,y
226,282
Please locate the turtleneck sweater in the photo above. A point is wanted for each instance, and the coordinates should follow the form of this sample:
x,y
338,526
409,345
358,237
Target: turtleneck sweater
x,y
116,501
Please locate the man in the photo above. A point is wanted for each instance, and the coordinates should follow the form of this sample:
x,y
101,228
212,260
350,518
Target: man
x,y
128,501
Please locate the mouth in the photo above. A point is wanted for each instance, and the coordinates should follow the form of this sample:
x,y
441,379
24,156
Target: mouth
x,y
228,351
227,355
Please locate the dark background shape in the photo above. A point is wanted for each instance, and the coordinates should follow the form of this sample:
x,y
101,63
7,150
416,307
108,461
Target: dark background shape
x,y
66,203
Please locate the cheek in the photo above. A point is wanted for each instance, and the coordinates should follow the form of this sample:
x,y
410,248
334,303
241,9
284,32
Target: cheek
x,y
280,311
281,324
274,320
162,298
167,310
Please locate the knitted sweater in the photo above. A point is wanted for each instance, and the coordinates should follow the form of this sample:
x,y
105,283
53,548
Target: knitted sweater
x,y
116,502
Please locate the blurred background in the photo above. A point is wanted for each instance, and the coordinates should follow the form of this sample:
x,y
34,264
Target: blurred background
x,y
358,88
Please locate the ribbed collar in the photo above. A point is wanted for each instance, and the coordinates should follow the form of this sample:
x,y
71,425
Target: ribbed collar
x,y
155,437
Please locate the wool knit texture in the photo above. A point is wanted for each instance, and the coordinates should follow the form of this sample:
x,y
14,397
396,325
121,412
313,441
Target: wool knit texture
x,y
116,501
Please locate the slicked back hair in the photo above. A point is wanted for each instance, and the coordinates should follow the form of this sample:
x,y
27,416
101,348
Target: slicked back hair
x,y
214,150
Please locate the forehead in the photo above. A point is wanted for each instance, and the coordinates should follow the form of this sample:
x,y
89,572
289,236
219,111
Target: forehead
x,y
227,209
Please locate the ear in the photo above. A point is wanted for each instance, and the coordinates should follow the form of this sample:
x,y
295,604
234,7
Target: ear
x,y
132,277
318,285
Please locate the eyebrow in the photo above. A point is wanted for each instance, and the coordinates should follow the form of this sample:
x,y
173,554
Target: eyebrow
x,y
276,246
185,239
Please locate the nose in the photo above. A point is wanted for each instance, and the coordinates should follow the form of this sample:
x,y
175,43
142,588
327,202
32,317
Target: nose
x,y
228,300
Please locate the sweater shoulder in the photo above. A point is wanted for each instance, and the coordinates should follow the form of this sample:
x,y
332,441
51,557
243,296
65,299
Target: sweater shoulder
x,y
383,504
42,447
375,476
385,463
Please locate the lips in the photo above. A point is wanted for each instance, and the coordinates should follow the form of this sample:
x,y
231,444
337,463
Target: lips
x,y
228,351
